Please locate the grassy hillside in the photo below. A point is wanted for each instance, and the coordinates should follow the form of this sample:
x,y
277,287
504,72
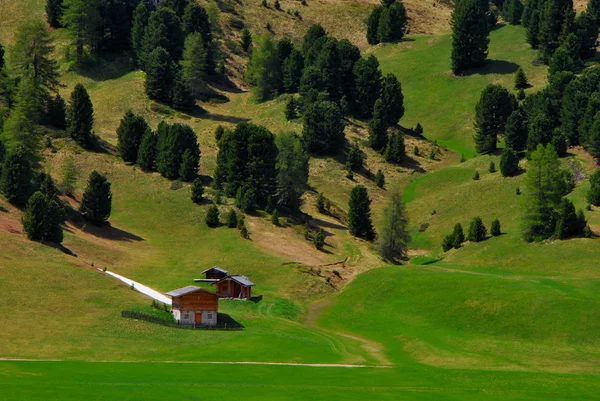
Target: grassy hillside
x,y
500,319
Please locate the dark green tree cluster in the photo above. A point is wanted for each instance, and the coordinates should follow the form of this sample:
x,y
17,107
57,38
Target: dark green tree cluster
x,y
455,239
177,151
359,214
387,23
96,204
247,166
512,11
495,106
42,218
292,171
548,213
129,136
470,35
549,24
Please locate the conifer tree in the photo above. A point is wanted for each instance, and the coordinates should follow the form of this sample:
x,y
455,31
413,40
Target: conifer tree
x,y
197,191
80,120
533,28
509,162
246,40
544,188
587,32
319,240
54,12
292,71
315,32
96,204
2,61
263,70
146,157
232,219
393,99
477,231
378,126
495,229
394,235
160,75
34,217
540,132
189,169
512,11
520,78
492,111
195,64
182,97
492,168
275,218
373,26
323,128
141,15
129,136
380,179
292,171
354,160
593,8
367,78
82,18
16,179
593,195
31,55
69,177
516,130
469,35
359,214
56,112
291,109
458,236
195,20
163,30
567,224
448,243
395,150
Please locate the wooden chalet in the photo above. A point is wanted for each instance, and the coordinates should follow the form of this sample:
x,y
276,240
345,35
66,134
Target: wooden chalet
x,y
215,273
235,286
194,305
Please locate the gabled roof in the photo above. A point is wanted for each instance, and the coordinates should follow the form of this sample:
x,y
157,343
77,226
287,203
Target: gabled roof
x,y
215,268
243,280
187,290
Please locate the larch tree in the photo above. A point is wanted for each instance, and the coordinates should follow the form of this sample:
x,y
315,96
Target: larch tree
x,y
141,15
263,69
394,235
194,64
292,171
470,35
82,19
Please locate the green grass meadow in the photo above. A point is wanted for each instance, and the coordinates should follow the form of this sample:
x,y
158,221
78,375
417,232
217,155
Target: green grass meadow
x,y
497,320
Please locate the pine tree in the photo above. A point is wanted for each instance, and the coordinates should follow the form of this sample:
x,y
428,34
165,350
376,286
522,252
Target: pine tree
x,y
492,168
292,171
2,60
80,119
367,78
512,11
321,204
197,191
516,130
54,12
195,20
509,162
141,16
194,64
354,160
292,71
567,223
359,214
275,218
593,195
319,240
96,204
378,126
398,21
373,26
129,136
263,69
315,32
533,28
495,229
146,157
163,30
189,167
492,111
477,231
395,150
469,35
291,109
393,99
394,232
458,236
69,177
520,77
182,97
160,75
380,179
323,128
448,243
82,18
593,139
587,31
246,40
232,219
34,215
56,112
16,179
476,176
593,8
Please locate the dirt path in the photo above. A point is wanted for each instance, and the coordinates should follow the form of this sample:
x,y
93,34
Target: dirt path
x,y
374,349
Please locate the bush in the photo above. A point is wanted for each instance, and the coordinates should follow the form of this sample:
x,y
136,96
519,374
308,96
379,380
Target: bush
x,y
495,230
197,191
321,204
476,176
492,167
458,236
319,240
275,218
448,242
380,179
212,216
232,219
416,151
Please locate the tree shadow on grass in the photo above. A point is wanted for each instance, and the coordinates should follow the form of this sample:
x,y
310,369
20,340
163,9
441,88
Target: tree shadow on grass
x,y
412,164
60,247
502,67
220,117
322,223
106,231
106,67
